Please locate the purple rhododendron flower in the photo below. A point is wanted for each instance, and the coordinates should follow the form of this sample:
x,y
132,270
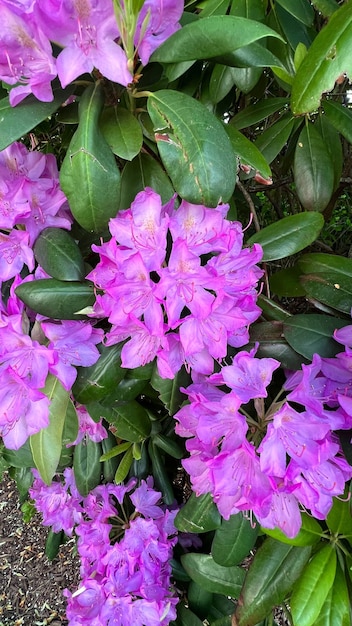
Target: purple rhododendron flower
x,y
157,21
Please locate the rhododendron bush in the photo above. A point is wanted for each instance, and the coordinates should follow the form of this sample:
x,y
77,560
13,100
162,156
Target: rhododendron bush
x,y
162,399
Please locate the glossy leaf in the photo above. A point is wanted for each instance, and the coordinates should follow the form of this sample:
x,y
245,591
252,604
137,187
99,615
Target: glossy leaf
x,y
330,288
211,37
56,298
286,283
198,515
19,458
302,10
312,588
253,56
309,534
257,112
17,121
253,10
275,568
160,474
294,30
170,389
131,421
87,467
58,254
215,7
313,170
332,141
313,333
128,389
326,7
98,380
273,344
246,78
274,138
321,262
89,175
144,171
247,151
122,132
289,235
211,576
222,80
339,519
199,599
336,610
46,444
186,617
272,310
340,117
329,56
233,540
124,466
168,445
194,148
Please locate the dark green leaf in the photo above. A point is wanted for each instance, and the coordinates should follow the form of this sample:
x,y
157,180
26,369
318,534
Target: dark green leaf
x,y
98,380
329,56
19,458
211,37
246,78
313,170
332,141
57,299
198,515
340,117
275,568
257,112
302,10
336,610
168,445
312,588
160,475
233,540
331,288
194,148
221,82
254,56
131,422
47,443
289,235
272,310
254,10
325,263
313,333
122,132
213,577
272,344
271,141
186,617
87,467
215,7
53,543
144,171
59,255
326,7
17,121
199,599
286,283
170,389
247,151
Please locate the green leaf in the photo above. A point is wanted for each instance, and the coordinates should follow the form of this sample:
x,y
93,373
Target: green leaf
x,y
331,288
325,263
326,7
313,170
170,389
124,466
272,573
18,121
293,29
53,543
198,515
254,56
313,333
186,617
339,519
144,171
272,140
199,599
312,588
69,435
286,283
46,444
329,56
98,380
309,534
211,576
302,10
122,132
272,310
253,10
336,608
57,299
128,389
194,148
246,78
59,255
340,117
19,458
131,421
211,37
222,80
272,344
233,540
257,112
160,474
90,167
214,7
289,235
168,445
87,467
332,141
247,151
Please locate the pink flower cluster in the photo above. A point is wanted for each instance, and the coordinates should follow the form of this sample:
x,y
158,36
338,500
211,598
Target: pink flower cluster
x,y
176,284
125,557
87,32
298,460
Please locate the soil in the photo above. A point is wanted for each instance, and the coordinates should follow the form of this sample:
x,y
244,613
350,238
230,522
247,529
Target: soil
x,y
31,586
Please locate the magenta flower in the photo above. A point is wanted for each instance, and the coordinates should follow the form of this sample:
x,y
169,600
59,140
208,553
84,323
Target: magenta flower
x,y
161,18
14,254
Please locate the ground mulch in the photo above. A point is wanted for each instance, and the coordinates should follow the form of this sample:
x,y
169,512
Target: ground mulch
x,y
31,586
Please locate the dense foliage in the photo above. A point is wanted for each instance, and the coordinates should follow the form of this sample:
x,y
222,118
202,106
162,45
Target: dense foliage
x,y
176,342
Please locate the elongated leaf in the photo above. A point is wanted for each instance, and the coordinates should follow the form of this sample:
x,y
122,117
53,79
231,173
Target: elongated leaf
x,y
194,148
339,520
160,474
254,55
186,617
340,117
124,466
312,588
275,568
59,255
122,132
87,467
331,288
313,170
336,608
289,235
326,7
57,299
247,151
320,262
213,577
131,422
313,333
170,389
309,534
254,10
199,599
272,140
46,444
98,380
211,37
273,344
286,283
332,141
221,82
198,515
329,56
247,77
255,113
302,10
233,540
17,121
